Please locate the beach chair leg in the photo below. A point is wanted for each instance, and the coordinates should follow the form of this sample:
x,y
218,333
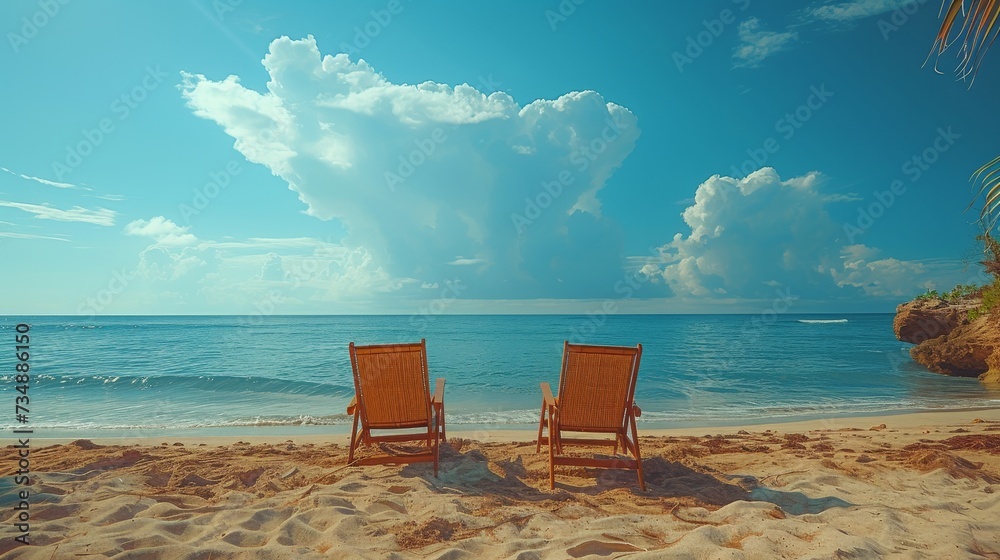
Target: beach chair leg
x,y
437,444
354,439
552,465
638,470
443,436
541,424
552,453
638,456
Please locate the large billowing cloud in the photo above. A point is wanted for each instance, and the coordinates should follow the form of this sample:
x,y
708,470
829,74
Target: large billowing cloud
x,y
748,235
437,182
761,235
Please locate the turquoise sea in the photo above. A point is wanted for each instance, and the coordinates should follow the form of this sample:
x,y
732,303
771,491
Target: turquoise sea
x,y
113,376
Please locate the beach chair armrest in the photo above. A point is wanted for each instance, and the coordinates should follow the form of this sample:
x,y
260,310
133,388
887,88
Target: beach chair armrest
x,y
352,405
636,411
438,398
547,397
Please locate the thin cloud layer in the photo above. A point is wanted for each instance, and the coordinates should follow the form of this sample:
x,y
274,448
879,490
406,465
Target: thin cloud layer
x,y
14,235
857,9
258,275
429,176
98,216
56,184
757,44
865,268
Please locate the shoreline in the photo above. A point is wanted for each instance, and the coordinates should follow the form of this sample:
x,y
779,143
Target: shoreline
x,y
511,433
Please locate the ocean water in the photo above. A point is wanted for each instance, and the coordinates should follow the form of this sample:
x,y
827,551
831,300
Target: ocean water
x,y
165,374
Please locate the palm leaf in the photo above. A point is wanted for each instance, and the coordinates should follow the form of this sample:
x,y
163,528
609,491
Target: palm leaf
x,y
989,178
976,34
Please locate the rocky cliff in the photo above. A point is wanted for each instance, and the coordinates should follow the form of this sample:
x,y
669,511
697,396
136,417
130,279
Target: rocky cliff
x,y
925,319
947,342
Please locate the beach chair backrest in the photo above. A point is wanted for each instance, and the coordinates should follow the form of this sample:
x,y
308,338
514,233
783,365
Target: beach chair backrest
x,y
596,385
392,384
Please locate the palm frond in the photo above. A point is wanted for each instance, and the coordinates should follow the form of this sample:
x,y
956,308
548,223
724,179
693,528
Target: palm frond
x,y
988,176
976,34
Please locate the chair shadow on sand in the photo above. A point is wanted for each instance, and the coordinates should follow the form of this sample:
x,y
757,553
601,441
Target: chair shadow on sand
x,y
469,473
472,473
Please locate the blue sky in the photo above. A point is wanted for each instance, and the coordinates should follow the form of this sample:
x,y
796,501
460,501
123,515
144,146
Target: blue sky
x,y
249,157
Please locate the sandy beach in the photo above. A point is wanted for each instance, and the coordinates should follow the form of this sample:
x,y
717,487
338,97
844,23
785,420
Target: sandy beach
x,y
905,486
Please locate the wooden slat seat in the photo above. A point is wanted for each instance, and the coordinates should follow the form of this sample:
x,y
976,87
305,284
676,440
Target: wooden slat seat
x,y
596,392
392,392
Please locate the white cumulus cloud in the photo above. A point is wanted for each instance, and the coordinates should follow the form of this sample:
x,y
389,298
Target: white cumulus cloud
x,y
747,233
163,230
750,237
273,270
420,173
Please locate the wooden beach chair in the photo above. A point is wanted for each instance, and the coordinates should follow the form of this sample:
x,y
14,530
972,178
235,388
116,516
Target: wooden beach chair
x,y
392,392
596,391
